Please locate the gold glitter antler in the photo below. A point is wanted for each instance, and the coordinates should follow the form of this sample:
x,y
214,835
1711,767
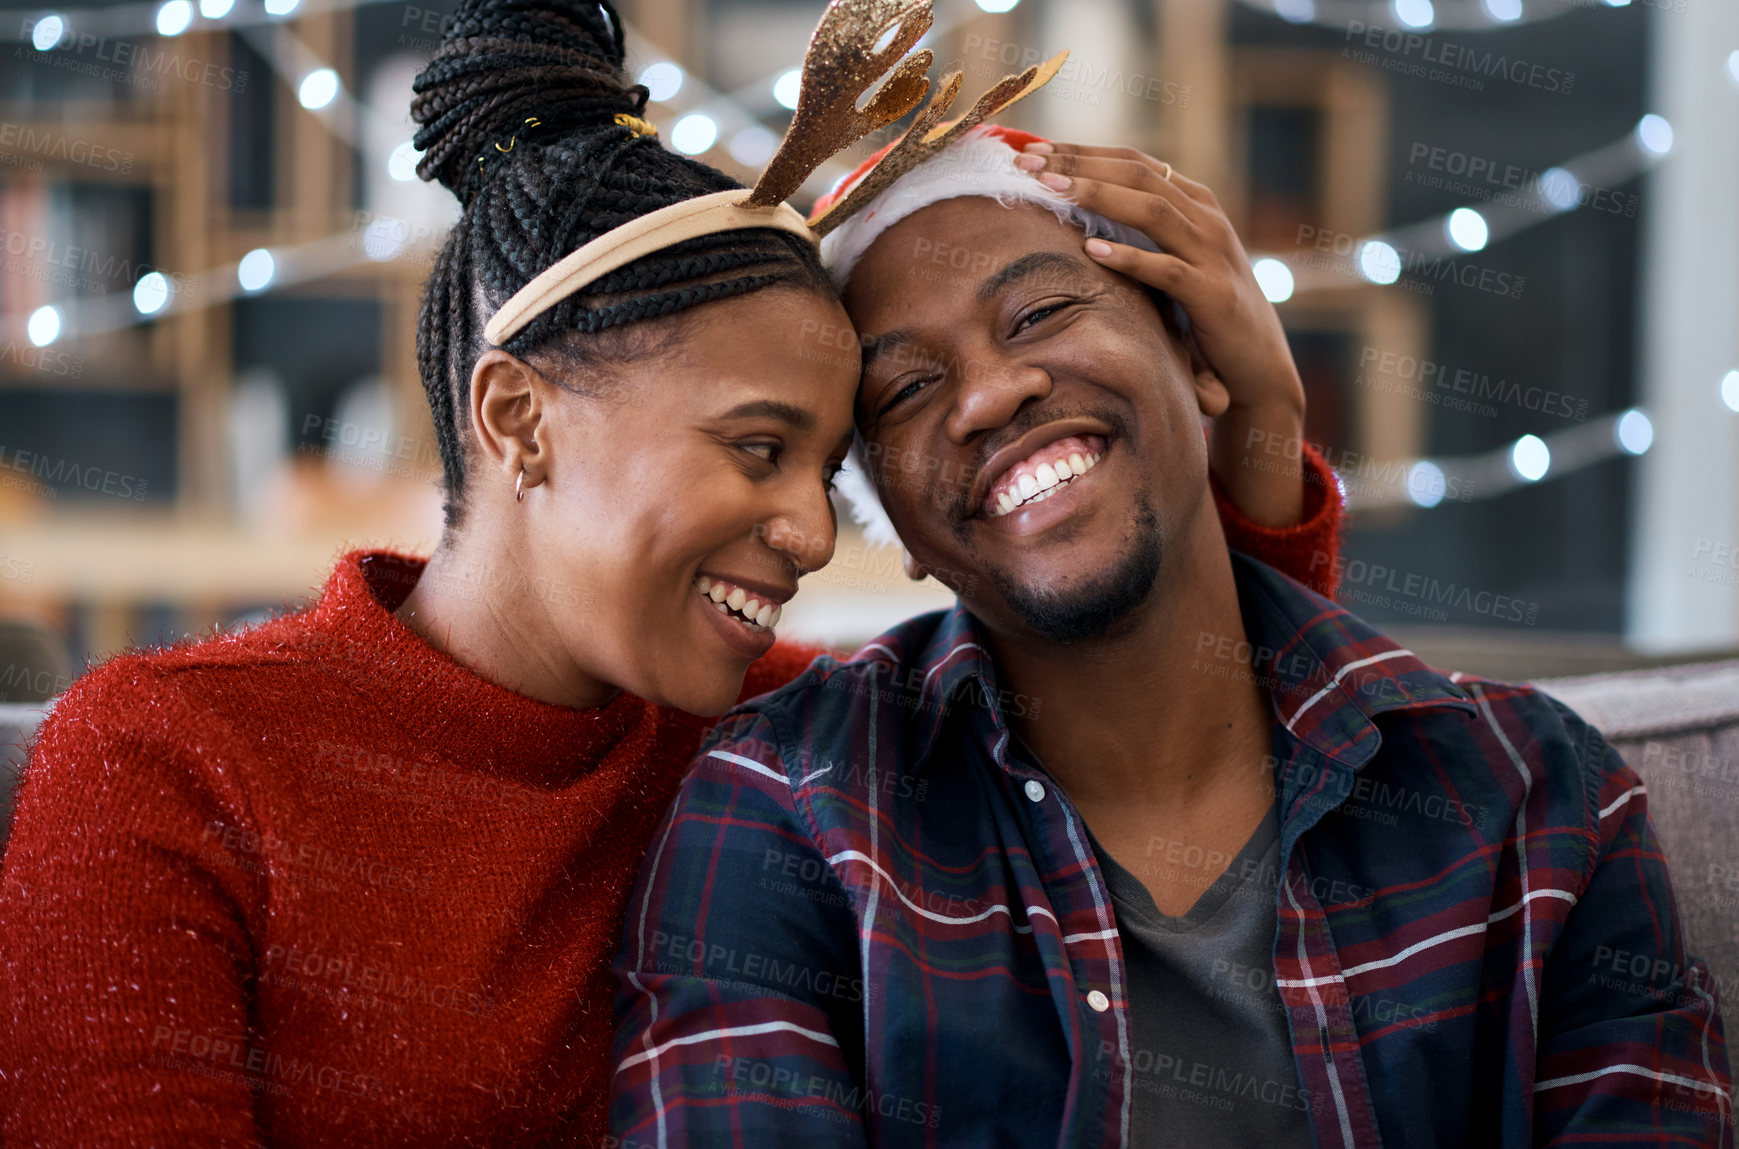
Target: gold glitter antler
x,y
925,137
842,62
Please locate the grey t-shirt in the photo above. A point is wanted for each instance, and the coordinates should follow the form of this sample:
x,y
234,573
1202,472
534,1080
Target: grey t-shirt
x,y
1209,1041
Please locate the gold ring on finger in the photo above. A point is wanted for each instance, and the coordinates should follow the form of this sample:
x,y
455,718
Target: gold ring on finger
x,y
1167,171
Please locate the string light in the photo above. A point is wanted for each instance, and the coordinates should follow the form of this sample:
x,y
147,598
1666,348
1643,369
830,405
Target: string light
x,y
1634,433
1415,13
402,164
1379,262
45,34
1530,458
1654,134
753,146
663,80
1426,483
787,87
256,270
694,133
1274,278
44,326
317,89
151,294
1466,229
174,17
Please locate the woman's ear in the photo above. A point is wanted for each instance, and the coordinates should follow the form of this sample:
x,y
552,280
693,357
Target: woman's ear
x,y
506,415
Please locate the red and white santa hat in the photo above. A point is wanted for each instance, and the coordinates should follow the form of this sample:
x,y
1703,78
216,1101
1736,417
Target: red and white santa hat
x,y
979,163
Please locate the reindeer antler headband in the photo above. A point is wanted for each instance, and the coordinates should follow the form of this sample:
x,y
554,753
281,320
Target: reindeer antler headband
x,y
856,41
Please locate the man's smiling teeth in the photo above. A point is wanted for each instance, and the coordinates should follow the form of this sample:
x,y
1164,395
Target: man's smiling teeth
x,y
729,599
1024,485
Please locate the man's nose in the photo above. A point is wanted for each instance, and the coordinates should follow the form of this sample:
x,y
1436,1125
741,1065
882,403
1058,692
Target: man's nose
x,y
990,392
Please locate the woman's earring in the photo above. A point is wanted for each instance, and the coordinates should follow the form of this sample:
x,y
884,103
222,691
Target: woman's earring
x,y
519,486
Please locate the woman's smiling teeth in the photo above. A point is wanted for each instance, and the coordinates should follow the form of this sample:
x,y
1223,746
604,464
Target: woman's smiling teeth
x,y
1042,474
728,598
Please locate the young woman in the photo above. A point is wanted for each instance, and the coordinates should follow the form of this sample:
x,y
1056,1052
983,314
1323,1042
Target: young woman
x,y
357,875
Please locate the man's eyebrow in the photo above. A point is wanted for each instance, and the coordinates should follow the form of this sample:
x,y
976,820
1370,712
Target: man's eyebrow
x,y
1024,266
880,345
772,409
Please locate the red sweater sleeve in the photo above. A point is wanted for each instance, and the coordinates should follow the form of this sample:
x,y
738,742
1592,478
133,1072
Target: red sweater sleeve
x,y
123,955
1309,550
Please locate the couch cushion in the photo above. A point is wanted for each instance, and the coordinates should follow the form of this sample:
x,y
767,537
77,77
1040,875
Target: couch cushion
x,y
18,722
1678,727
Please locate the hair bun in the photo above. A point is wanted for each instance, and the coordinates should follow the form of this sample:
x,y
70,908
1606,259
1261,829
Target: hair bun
x,y
503,61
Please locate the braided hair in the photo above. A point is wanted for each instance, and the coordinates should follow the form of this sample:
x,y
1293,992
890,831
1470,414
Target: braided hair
x,y
516,116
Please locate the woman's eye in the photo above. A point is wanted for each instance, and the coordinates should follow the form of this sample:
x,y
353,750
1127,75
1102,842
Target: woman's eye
x,y
830,476
768,452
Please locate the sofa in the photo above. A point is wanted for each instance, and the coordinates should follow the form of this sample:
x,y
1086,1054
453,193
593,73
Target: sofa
x,y
1678,726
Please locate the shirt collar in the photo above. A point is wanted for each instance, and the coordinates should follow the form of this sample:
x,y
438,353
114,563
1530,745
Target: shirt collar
x,y
1329,674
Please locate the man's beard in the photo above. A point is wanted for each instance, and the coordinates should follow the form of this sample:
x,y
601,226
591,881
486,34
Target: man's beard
x,y
1094,609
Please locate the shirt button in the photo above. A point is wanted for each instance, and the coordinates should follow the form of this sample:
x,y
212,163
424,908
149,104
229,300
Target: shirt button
x,y
1098,1001
1035,791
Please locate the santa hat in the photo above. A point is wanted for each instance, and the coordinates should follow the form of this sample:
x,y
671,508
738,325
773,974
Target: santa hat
x,y
979,163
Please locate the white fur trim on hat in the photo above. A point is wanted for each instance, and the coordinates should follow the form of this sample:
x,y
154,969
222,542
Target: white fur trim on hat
x,y
978,164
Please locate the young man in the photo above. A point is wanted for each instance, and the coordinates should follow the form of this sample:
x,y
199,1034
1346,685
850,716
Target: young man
x,y
1143,843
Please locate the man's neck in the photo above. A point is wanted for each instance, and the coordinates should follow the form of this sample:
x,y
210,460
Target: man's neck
x,y
1140,720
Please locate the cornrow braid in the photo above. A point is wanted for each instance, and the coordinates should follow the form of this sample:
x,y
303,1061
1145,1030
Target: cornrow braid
x,y
516,116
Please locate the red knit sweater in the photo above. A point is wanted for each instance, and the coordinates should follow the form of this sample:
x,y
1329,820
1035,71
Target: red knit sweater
x,y
318,884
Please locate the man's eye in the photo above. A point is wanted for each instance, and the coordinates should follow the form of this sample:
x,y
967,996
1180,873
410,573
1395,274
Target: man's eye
x,y
769,452
1037,315
830,476
906,392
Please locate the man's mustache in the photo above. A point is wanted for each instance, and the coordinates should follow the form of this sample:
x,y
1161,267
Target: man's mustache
x,y
1025,420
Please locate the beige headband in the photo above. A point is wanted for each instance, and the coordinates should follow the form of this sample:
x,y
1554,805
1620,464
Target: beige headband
x,y
666,227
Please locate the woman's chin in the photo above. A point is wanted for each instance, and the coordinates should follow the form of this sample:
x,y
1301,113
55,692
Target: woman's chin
x,y
705,699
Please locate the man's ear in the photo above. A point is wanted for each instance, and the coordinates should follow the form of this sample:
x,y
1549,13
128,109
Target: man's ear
x,y
506,415
1212,395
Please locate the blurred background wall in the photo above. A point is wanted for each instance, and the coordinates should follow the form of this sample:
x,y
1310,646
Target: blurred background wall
x,y
1503,235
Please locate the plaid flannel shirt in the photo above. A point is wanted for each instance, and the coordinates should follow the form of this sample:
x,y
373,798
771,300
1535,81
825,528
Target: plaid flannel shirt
x,y
866,920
